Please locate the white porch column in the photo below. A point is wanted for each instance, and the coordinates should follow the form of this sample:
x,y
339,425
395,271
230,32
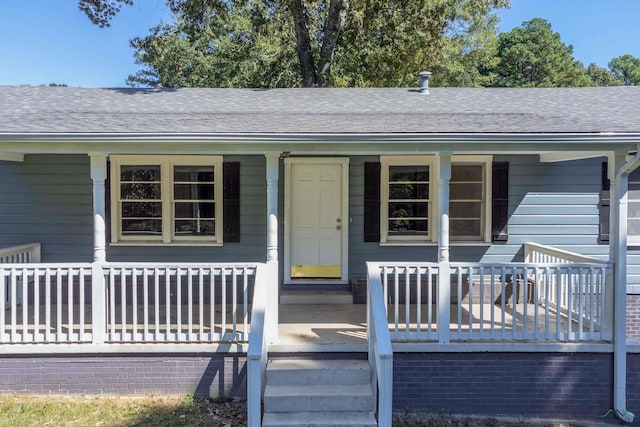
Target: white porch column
x,y
444,274
98,309
619,170
99,176
273,163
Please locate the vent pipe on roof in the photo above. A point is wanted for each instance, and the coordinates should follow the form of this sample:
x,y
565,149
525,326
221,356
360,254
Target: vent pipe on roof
x,y
424,82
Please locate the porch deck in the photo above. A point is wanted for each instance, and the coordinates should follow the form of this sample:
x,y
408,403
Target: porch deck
x,y
316,325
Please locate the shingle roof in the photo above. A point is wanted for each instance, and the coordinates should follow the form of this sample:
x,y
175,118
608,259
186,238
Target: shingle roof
x,y
52,110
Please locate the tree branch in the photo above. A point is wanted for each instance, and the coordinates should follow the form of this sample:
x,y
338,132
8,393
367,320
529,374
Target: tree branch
x,y
303,44
333,25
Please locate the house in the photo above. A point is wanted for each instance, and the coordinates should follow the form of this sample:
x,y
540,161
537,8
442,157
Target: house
x,y
152,237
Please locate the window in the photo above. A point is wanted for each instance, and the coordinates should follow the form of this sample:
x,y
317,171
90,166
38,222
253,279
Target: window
x,y
633,208
166,199
466,201
406,198
408,209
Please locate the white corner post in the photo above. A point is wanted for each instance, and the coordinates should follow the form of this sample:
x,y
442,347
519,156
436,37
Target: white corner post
x,y
98,177
273,165
444,268
619,169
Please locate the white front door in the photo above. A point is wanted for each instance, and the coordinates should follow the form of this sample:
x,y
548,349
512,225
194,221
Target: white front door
x,y
316,219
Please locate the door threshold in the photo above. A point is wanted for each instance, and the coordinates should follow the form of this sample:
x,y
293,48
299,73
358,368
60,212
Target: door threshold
x,y
308,296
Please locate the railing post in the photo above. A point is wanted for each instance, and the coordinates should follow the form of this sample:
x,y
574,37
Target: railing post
x,y
98,303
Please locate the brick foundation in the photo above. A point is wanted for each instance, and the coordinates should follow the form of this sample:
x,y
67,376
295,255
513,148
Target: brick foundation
x,y
206,375
633,316
540,385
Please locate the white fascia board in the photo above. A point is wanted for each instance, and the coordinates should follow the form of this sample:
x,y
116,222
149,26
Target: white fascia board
x,y
319,143
11,157
568,156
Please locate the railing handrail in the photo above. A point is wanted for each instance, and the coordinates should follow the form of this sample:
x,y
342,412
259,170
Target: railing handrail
x,y
379,342
32,249
257,352
530,247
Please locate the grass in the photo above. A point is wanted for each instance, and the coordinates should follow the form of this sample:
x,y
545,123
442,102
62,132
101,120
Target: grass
x,y
120,411
185,411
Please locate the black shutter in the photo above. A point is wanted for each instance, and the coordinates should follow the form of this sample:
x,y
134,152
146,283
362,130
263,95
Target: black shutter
x,y
231,202
500,202
372,202
604,206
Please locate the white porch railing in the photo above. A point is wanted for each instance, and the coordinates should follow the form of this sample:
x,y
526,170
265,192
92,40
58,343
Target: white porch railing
x,y
178,303
126,302
29,253
47,303
257,354
514,301
380,350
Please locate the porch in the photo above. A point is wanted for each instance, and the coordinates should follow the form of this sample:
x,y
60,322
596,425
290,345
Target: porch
x,y
554,296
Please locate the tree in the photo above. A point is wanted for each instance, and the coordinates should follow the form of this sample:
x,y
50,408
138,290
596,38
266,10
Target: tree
x,y
532,55
313,42
601,76
626,70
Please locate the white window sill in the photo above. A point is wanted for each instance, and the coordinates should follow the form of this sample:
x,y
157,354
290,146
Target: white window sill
x,y
142,243
435,244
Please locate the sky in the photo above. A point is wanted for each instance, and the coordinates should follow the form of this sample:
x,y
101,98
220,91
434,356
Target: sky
x,y
51,41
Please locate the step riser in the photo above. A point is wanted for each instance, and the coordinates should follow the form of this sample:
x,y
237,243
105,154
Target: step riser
x,y
318,403
320,419
319,377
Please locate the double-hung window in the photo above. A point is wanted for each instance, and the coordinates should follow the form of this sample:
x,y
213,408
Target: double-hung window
x,y
406,194
633,208
409,199
166,199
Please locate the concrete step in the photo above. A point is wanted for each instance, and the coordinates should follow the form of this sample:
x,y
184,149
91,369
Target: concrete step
x,y
316,297
317,372
318,398
319,419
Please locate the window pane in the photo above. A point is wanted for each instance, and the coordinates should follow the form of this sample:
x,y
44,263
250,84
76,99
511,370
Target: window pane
x,y
465,190
140,173
140,191
407,227
133,227
408,210
195,210
195,227
408,191
408,173
466,173
464,227
193,191
633,210
141,210
193,174
465,209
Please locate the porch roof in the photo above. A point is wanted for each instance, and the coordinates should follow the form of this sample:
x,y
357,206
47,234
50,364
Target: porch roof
x,y
27,110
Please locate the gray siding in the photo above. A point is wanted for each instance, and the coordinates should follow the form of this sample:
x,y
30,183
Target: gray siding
x,y
549,203
48,199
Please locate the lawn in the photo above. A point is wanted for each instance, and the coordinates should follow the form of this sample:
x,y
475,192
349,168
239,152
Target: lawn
x,y
186,411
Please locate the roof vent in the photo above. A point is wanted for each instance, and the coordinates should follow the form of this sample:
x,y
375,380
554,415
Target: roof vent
x,y
424,82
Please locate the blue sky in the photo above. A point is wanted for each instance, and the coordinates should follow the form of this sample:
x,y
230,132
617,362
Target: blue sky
x,y
47,41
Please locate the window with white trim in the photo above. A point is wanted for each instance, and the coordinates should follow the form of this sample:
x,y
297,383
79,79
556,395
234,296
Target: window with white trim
x,y
166,199
408,199
633,208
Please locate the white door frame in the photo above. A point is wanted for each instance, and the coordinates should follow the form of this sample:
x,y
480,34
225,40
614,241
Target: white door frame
x,y
344,163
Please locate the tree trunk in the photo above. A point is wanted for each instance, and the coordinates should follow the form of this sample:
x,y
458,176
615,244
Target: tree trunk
x,y
303,45
333,25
